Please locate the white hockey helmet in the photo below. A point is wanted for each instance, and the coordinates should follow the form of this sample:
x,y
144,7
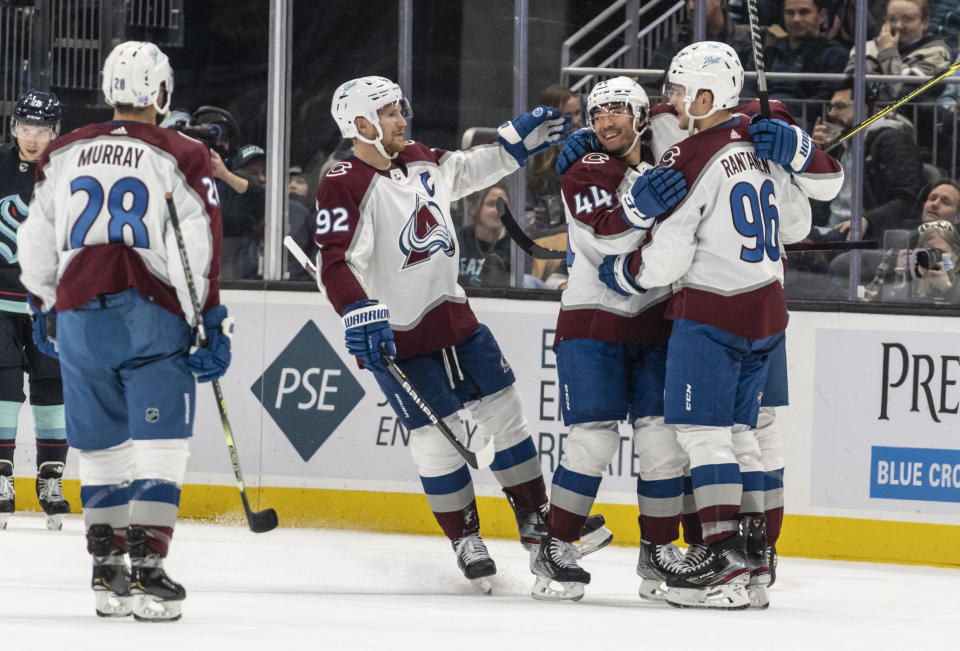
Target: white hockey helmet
x,y
619,90
363,97
133,74
707,65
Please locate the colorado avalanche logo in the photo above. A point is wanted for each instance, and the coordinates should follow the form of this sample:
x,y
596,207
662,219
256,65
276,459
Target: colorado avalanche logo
x,y
12,212
424,234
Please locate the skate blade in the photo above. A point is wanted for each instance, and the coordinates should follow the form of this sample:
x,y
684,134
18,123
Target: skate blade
x,y
3,520
759,598
544,590
721,597
484,585
54,522
652,589
593,541
112,605
147,608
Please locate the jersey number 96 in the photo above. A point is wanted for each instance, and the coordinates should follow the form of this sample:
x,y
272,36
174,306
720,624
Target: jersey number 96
x,y
761,226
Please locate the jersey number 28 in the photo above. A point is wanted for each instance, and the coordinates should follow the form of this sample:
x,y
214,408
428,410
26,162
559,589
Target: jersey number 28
x,y
120,215
761,224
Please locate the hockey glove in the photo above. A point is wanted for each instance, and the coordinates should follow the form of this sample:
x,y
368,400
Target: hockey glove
x,y
578,144
44,327
790,146
532,132
210,362
615,274
656,191
367,325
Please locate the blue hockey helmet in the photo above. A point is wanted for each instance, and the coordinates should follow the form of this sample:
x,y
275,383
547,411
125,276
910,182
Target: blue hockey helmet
x,y
37,108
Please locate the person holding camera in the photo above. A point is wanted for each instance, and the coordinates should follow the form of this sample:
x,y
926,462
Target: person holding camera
x,y
933,263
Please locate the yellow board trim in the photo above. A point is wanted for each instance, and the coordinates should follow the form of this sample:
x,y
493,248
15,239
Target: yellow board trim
x,y
851,539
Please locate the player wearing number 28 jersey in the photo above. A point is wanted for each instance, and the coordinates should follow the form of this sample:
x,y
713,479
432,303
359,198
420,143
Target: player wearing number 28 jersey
x,y
100,255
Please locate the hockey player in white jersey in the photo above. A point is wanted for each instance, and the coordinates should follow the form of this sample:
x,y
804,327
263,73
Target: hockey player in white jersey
x,y
388,262
611,349
101,259
720,251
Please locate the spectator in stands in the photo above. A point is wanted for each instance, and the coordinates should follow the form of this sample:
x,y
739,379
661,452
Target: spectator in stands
x,y
893,171
945,22
803,49
719,28
242,204
768,13
543,182
950,97
934,281
841,20
485,245
302,221
902,48
942,202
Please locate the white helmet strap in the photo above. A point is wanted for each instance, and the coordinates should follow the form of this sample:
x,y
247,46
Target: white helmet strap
x,y
378,142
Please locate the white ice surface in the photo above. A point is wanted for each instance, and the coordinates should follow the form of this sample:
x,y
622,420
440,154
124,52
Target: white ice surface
x,y
318,589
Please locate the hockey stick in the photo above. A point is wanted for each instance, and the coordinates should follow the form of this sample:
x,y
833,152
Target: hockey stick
x,y
523,240
259,521
534,250
903,100
758,59
480,459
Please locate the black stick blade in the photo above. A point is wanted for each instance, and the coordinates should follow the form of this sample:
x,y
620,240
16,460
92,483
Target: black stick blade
x,y
262,521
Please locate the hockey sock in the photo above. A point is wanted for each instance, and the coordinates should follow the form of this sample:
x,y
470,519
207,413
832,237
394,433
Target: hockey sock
x,y
453,502
773,504
571,498
692,533
661,502
154,504
9,413
51,433
518,470
107,504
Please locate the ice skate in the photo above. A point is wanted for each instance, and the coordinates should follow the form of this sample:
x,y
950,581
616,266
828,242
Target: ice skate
x,y
558,572
655,564
156,597
111,577
772,561
714,577
532,525
8,497
754,529
475,562
50,493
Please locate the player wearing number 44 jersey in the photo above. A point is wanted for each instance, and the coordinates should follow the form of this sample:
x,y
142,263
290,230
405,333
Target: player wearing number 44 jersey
x,y
387,260
719,249
100,255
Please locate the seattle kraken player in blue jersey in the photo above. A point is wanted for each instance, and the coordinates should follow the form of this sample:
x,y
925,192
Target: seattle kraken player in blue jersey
x,y
35,123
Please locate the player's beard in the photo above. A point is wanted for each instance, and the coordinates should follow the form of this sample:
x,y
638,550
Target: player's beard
x,y
395,145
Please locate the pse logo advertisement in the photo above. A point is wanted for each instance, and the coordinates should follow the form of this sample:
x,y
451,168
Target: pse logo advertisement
x,y
308,391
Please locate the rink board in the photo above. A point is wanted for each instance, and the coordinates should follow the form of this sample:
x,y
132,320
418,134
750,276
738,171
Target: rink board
x,y
873,459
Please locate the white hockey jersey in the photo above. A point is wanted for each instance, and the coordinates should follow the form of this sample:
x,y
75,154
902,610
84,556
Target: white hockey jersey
x,y
99,222
596,228
388,235
719,248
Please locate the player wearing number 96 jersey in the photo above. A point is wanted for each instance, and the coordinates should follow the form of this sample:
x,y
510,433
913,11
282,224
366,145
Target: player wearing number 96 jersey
x,y
101,258
719,249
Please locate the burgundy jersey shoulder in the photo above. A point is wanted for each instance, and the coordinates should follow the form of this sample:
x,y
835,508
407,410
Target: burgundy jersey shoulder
x,y
347,180
596,168
191,155
778,110
690,156
416,152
